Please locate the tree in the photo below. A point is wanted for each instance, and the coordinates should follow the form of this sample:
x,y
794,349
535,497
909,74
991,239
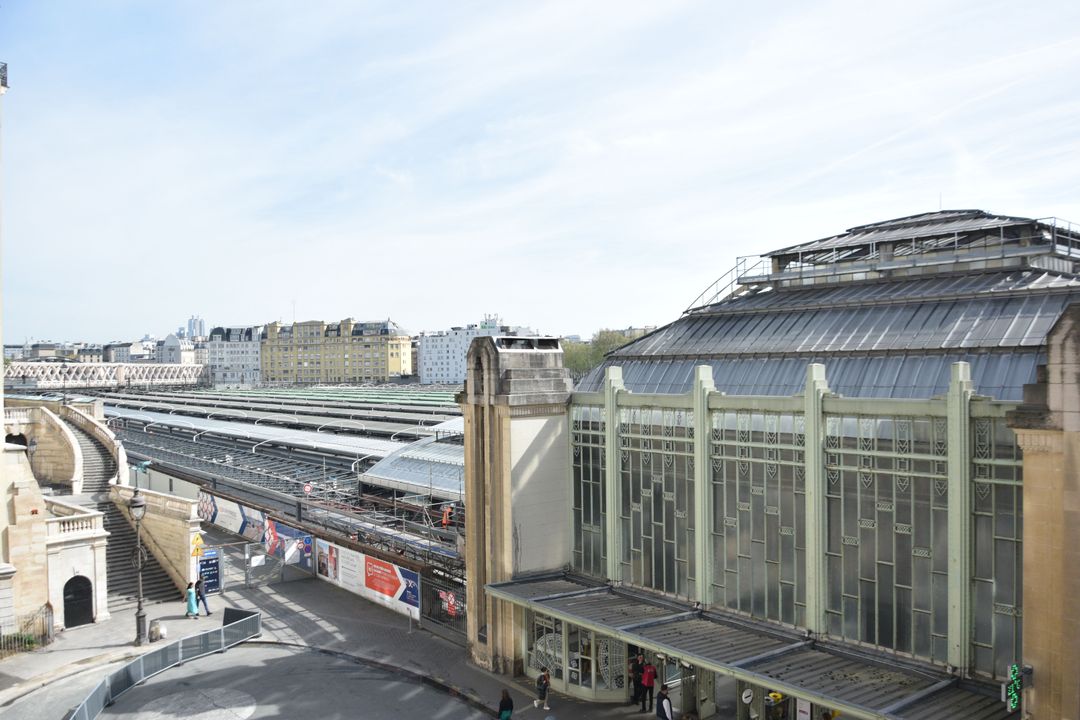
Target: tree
x,y
580,358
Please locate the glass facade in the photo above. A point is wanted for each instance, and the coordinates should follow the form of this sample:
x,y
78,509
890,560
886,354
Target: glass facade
x,y
998,558
759,511
588,426
884,518
887,532
582,662
656,509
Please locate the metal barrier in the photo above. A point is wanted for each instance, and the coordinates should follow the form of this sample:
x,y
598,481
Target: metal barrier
x,y
27,632
238,626
442,600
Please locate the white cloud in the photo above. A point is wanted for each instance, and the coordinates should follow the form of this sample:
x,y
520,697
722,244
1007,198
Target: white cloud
x,y
567,165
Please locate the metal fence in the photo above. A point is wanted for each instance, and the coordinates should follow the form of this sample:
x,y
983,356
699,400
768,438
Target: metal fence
x,y
442,600
238,626
27,632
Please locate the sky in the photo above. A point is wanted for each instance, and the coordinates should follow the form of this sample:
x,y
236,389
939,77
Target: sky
x,y
569,166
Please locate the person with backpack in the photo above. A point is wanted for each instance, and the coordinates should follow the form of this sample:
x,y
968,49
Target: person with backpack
x,y
648,681
663,705
543,682
506,706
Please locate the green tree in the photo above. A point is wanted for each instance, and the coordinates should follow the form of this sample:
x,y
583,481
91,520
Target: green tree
x,y
580,358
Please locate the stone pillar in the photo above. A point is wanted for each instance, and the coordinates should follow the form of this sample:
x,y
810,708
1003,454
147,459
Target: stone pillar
x,y
1047,428
517,483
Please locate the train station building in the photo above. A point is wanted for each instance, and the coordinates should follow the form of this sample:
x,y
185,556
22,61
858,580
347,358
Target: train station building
x,y
845,478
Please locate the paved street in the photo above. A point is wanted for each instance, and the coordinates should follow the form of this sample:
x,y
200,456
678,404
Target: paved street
x,y
297,616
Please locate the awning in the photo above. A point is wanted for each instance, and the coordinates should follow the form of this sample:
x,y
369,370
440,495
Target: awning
x,y
857,685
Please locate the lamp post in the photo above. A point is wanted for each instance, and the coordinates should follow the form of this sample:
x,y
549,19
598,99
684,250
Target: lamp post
x,y
137,505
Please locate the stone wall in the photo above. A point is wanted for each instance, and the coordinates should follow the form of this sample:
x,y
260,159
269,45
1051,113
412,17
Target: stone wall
x,y
58,458
76,547
169,527
89,423
25,534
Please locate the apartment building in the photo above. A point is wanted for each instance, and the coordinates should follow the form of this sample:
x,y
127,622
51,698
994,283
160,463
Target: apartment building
x,y
441,354
233,356
314,351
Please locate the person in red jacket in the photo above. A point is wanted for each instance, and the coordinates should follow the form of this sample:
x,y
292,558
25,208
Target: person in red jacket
x,y
648,680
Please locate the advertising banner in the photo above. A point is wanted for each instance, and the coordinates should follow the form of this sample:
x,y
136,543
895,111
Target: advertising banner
x,y
232,516
288,543
377,580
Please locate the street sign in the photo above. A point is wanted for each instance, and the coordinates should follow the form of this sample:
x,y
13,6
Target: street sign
x,y
197,540
307,488
196,552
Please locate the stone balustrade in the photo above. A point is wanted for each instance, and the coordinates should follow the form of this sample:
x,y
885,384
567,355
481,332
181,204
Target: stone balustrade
x,y
69,522
16,416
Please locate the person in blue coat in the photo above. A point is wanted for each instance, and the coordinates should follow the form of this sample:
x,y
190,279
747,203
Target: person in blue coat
x,y
192,602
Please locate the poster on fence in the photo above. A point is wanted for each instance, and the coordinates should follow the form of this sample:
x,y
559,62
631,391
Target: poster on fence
x,y
232,516
288,543
377,580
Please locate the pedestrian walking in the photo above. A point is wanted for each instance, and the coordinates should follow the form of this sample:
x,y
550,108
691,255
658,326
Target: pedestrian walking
x,y
192,602
200,593
637,665
663,705
506,706
543,682
648,681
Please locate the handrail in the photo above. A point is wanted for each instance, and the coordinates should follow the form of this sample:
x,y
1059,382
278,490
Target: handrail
x,y
247,625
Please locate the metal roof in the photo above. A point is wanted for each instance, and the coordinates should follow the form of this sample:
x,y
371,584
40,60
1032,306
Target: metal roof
x,y
345,444
858,686
932,224
876,339
427,466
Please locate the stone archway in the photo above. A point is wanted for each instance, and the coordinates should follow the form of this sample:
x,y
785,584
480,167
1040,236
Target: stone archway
x,y
78,601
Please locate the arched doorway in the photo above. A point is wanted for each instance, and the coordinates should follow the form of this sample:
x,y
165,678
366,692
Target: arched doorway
x,y
18,439
78,601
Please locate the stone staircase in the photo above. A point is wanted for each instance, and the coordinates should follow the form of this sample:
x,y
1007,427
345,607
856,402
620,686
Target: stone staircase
x,y
98,468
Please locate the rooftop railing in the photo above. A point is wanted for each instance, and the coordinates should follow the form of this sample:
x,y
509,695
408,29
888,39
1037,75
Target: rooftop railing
x,y
3,75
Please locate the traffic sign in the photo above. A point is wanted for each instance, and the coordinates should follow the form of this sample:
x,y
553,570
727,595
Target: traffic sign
x,y
197,540
307,488
196,552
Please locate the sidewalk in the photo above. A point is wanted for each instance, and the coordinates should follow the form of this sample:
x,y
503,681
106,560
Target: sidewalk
x,y
306,612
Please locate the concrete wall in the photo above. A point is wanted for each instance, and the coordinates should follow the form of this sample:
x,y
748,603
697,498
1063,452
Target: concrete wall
x,y
169,527
151,479
540,492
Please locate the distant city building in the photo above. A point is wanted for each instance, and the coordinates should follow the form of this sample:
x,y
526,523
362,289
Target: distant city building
x,y
233,356
177,351
89,354
441,354
116,352
196,327
14,352
630,333
349,351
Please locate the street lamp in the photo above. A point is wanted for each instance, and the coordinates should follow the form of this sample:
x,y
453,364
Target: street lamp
x,y
137,506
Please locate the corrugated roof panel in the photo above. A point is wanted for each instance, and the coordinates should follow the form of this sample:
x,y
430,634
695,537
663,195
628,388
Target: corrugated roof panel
x,y
712,640
956,702
871,686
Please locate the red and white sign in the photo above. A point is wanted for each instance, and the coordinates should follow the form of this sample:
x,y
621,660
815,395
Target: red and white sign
x,y
307,488
381,577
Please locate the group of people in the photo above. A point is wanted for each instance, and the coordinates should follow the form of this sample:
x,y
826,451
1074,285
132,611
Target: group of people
x,y
643,674
195,594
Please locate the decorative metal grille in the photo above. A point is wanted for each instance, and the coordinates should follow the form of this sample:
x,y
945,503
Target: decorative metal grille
x,y
656,514
887,532
759,511
997,552
588,423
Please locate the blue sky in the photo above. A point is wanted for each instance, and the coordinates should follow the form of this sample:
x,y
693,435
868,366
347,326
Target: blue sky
x,y
569,165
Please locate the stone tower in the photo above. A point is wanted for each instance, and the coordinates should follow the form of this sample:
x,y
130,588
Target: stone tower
x,y
517,481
